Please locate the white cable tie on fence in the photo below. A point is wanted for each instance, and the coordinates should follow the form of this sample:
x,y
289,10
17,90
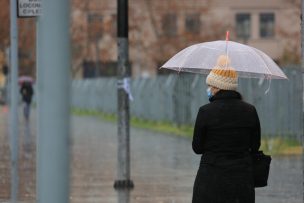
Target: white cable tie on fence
x,y
125,84
261,81
269,84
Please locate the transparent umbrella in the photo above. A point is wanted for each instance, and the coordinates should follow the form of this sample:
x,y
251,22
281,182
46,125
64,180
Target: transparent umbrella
x,y
246,60
25,78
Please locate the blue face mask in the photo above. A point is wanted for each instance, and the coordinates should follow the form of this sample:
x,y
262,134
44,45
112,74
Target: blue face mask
x,y
209,93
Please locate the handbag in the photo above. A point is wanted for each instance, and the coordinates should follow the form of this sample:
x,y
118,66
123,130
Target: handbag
x,y
261,166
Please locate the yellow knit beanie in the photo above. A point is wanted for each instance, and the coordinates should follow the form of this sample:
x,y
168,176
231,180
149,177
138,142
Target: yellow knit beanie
x,y
223,76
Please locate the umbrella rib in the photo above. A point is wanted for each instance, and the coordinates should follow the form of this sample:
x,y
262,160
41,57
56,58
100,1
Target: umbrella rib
x,y
212,48
255,52
188,54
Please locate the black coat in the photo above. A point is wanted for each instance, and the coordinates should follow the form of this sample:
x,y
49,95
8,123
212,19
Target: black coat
x,y
27,92
226,131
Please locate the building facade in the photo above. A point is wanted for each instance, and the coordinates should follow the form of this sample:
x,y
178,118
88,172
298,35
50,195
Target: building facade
x,y
160,28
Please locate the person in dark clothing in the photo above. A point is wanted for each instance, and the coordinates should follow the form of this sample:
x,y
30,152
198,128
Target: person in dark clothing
x,y
27,92
226,132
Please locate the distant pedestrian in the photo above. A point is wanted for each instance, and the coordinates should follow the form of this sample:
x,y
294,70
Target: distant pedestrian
x,y
27,93
226,132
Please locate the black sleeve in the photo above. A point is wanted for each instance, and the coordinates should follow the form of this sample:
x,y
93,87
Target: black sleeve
x,y
198,133
256,135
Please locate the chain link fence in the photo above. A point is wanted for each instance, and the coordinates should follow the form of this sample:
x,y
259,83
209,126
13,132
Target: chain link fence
x,y
176,98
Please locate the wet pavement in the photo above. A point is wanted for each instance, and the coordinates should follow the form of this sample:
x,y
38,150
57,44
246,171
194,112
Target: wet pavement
x,y
163,167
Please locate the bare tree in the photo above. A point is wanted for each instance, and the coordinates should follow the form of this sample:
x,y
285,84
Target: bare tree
x,y
26,38
292,49
79,33
4,28
159,30
27,46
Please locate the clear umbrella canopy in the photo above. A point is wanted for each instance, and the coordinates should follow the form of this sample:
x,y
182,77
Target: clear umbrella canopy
x,y
25,78
246,60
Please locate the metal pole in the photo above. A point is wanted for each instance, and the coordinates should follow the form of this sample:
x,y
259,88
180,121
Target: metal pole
x,y
123,196
53,99
123,155
13,124
302,67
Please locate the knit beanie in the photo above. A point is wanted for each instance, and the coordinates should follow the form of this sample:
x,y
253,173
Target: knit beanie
x,y
223,76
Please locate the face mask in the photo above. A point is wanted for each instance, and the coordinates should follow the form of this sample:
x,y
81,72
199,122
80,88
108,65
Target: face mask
x,y
209,93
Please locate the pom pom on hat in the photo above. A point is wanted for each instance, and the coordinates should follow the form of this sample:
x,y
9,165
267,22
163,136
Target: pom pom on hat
x,y
223,76
223,61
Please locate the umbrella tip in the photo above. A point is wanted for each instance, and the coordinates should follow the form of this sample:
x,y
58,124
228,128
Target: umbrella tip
x,y
227,35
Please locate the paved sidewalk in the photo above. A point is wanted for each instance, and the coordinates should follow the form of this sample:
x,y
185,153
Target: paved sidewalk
x,y
163,167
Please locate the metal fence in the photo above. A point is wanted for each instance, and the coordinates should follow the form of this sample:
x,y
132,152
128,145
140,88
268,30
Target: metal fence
x,y
177,97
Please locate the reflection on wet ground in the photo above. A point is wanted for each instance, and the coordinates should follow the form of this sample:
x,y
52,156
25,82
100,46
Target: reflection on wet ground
x,y
163,168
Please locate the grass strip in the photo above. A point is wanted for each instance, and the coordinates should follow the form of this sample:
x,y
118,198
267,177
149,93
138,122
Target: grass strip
x,y
274,145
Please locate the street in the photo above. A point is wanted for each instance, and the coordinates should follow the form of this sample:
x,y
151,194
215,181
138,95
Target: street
x,y
163,167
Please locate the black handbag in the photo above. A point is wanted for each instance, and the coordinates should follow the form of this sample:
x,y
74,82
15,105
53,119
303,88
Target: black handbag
x,y
261,166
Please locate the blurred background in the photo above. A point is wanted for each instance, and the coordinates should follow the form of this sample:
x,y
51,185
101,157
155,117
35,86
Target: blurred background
x,y
163,166
158,29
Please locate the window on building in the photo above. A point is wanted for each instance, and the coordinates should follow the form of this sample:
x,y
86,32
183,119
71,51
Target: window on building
x,y
94,26
267,25
169,25
243,25
193,23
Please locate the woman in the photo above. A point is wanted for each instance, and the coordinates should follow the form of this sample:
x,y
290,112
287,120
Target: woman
x,y
27,92
226,131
